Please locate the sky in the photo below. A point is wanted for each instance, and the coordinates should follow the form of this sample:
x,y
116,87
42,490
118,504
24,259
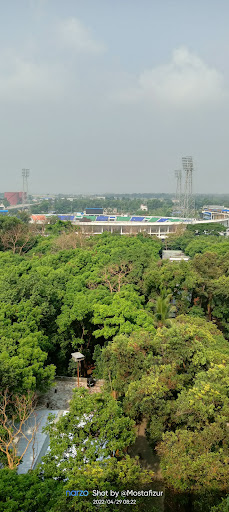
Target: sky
x,y
107,96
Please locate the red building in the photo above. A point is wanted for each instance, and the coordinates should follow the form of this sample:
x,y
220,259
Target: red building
x,y
14,197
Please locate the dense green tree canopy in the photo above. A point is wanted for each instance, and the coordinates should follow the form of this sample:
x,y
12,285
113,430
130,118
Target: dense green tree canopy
x,y
157,332
95,423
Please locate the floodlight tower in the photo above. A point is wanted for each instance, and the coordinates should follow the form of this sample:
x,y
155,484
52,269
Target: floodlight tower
x,y
189,201
25,176
178,175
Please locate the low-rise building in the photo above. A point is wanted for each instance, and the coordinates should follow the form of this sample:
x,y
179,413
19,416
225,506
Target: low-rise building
x,y
215,212
14,197
174,255
38,219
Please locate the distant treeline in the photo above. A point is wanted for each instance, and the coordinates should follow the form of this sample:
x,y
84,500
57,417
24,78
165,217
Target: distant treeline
x,y
160,204
163,206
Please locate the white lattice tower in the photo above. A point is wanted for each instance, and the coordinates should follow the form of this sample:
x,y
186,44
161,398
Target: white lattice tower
x,y
188,198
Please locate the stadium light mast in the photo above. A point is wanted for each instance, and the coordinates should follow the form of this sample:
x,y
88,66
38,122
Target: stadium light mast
x,y
189,201
25,176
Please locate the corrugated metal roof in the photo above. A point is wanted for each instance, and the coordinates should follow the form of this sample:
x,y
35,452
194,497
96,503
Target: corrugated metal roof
x,y
38,217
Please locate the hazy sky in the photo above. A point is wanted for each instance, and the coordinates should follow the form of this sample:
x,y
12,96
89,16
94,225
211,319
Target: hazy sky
x,y
107,95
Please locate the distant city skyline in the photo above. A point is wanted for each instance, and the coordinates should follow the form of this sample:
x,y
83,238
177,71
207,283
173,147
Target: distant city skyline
x,y
107,97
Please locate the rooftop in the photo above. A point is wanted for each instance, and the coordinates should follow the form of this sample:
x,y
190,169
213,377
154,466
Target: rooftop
x,y
174,255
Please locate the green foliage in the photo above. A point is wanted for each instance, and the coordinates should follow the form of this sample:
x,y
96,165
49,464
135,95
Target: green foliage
x,y
195,461
42,207
179,280
31,493
181,389
115,474
206,229
28,493
59,227
112,296
123,204
16,235
123,315
88,447
96,423
125,359
22,361
203,244
222,507
24,216
163,308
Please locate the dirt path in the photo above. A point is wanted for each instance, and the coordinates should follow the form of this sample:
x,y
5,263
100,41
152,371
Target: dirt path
x,y
150,461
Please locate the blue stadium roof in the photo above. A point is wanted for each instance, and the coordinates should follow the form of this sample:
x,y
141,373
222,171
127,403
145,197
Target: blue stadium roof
x,y
162,220
66,217
137,219
102,217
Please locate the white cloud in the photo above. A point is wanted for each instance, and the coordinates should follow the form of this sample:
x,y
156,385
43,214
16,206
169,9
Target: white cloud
x,y
185,81
37,4
73,34
24,79
26,76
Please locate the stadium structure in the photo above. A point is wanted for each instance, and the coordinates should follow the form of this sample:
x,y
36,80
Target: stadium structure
x,y
131,225
215,212
127,225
